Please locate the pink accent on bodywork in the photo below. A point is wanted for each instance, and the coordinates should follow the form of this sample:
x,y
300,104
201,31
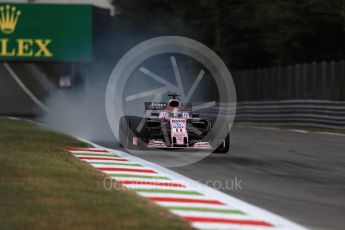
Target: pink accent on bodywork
x,y
161,144
163,114
156,144
202,145
178,130
135,141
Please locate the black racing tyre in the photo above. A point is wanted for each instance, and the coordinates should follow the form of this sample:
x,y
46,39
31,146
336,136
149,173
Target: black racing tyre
x,y
224,148
128,130
124,133
221,148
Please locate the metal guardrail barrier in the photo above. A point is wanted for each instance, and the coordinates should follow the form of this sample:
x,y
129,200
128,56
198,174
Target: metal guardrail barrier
x,y
329,114
317,113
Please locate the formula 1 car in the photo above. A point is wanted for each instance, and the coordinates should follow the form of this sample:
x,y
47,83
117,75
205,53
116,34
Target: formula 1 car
x,y
170,125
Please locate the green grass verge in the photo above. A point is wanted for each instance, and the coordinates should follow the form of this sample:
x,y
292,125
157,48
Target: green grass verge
x,y
44,187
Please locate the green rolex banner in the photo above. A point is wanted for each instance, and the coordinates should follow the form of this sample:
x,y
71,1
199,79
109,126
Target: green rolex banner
x,y
45,32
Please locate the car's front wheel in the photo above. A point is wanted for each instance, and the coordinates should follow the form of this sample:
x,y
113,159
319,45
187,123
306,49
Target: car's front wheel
x,y
224,147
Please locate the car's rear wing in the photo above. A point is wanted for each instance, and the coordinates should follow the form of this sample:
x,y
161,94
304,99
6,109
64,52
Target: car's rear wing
x,y
154,108
162,106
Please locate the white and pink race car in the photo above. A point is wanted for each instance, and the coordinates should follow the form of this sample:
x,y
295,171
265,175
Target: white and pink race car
x,y
170,125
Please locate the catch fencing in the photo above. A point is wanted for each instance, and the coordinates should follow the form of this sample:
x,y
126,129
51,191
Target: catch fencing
x,y
310,94
317,81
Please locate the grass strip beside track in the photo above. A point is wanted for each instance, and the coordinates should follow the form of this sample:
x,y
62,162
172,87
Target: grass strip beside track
x,y
43,187
196,209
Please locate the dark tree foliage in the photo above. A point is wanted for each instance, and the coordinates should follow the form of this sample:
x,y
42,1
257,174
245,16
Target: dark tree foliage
x,y
245,33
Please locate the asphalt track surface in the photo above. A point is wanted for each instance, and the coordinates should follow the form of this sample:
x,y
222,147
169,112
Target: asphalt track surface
x,y
300,176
